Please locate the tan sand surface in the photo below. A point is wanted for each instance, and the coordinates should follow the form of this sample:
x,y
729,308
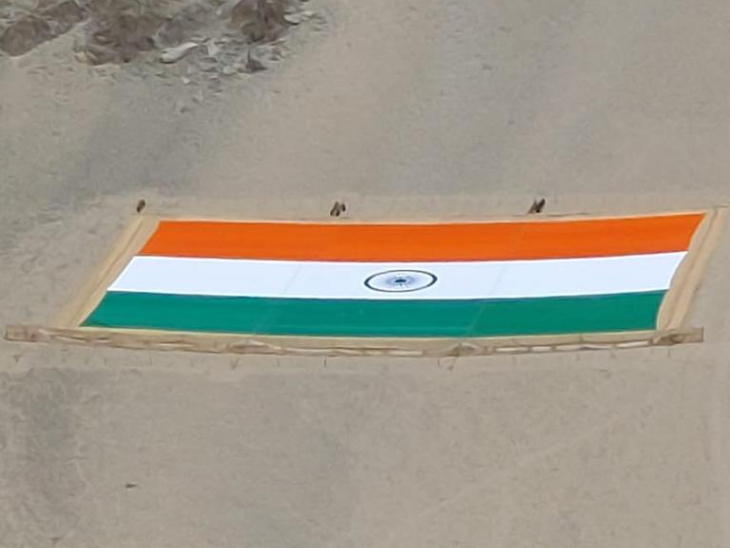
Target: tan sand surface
x,y
404,109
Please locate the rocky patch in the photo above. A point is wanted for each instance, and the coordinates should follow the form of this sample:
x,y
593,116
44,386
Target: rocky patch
x,y
226,36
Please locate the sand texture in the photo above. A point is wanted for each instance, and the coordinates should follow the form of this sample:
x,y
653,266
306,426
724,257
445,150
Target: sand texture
x,y
409,109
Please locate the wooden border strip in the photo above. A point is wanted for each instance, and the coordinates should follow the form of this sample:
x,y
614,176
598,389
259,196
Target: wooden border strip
x,y
677,301
131,240
319,346
467,219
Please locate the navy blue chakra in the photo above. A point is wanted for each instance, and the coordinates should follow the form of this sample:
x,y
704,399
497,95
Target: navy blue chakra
x,y
400,281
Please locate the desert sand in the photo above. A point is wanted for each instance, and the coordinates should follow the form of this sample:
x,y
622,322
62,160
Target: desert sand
x,y
408,109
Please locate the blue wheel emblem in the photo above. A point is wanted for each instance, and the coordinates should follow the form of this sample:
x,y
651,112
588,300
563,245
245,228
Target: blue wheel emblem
x,y
400,281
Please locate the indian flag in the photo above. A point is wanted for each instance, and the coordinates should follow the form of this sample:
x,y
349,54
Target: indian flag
x,y
485,279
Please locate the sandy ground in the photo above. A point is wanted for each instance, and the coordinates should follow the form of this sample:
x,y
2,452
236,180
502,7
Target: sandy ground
x,y
406,109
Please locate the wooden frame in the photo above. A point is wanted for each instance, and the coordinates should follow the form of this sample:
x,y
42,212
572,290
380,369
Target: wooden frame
x,y
66,328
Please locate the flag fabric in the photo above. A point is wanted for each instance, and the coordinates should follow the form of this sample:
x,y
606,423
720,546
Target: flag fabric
x,y
400,280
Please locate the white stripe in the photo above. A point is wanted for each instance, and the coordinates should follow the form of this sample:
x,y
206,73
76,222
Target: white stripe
x,y
455,280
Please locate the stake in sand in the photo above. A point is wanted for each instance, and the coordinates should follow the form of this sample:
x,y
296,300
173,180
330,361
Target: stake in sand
x,y
396,287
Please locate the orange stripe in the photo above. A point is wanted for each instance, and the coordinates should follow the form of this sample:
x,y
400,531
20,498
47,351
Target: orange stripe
x,y
424,242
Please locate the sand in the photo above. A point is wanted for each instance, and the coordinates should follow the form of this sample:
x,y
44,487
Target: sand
x,y
404,110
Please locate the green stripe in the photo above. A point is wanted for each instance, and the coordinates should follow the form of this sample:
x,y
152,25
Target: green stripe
x,y
378,318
